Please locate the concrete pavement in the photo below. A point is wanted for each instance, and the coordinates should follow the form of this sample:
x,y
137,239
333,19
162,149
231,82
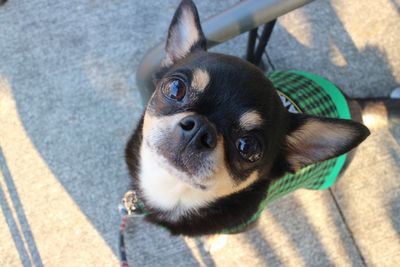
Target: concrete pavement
x,y
68,102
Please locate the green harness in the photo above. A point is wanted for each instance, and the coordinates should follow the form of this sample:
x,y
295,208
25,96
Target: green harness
x,y
303,92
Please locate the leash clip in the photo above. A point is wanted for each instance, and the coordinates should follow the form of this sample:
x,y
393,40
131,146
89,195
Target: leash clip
x,y
130,201
131,205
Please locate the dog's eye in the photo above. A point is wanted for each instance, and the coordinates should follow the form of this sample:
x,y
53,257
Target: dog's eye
x,y
249,148
174,89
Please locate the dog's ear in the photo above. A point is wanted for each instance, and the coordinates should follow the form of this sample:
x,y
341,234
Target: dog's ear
x,y
185,34
313,139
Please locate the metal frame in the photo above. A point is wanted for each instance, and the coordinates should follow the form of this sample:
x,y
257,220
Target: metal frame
x,y
255,57
245,16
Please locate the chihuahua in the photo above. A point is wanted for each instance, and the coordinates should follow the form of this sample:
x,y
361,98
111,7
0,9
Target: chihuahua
x,y
215,134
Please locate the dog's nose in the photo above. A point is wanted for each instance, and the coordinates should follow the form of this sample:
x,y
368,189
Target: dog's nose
x,y
197,130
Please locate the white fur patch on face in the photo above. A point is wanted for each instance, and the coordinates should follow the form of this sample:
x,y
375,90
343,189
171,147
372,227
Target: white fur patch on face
x,y
182,37
250,120
200,80
167,188
155,127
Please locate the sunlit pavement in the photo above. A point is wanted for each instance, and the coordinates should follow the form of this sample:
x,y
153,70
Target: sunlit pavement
x,y
68,102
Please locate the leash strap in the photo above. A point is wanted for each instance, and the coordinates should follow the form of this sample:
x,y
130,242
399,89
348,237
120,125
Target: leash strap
x,y
130,206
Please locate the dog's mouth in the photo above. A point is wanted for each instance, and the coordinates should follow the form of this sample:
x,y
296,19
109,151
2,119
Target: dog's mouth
x,y
194,166
195,163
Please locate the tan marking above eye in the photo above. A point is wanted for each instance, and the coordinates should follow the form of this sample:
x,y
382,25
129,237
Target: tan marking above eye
x,y
250,120
200,79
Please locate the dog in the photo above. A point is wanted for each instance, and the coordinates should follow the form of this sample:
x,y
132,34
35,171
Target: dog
x,y
215,135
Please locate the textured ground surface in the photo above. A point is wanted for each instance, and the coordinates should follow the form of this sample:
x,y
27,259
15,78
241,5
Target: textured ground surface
x,y
68,102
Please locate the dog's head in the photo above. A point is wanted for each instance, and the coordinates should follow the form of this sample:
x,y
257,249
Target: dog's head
x,y
215,125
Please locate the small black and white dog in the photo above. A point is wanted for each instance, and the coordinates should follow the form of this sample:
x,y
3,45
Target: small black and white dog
x,y
215,134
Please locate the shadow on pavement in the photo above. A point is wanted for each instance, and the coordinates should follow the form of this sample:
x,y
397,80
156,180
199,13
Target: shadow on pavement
x,y
332,53
19,227
205,257
263,248
394,214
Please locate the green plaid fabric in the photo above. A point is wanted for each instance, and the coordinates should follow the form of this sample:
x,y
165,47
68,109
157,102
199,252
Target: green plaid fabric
x,y
303,92
309,97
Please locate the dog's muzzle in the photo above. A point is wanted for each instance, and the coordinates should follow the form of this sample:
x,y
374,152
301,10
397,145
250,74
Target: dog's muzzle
x,y
196,133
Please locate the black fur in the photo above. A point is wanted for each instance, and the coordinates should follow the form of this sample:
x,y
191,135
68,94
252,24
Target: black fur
x,y
235,87
232,100
132,153
223,214
237,208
